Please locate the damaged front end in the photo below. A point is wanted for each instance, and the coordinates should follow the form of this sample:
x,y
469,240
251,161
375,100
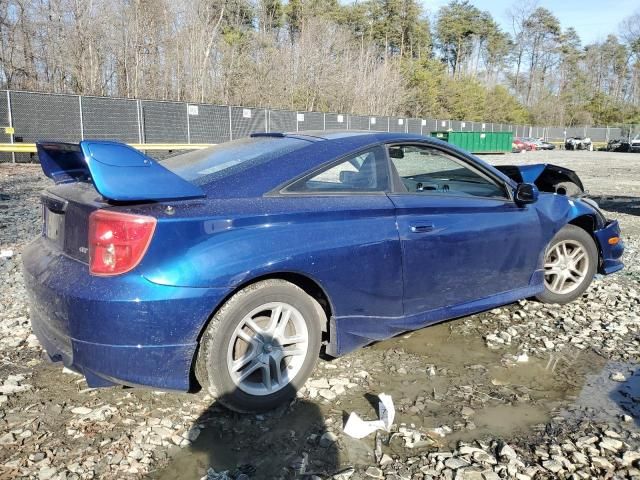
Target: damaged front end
x,y
611,247
547,177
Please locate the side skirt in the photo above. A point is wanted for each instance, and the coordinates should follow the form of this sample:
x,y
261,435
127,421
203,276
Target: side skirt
x,y
352,332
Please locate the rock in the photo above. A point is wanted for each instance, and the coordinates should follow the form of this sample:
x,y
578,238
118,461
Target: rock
x,y
484,458
385,460
464,474
136,454
7,438
327,394
374,472
507,452
629,458
327,439
339,381
10,389
467,412
602,463
552,465
610,444
455,463
193,434
320,383
489,475
579,458
46,473
618,377
493,340
344,474
338,389
81,410
164,432
100,414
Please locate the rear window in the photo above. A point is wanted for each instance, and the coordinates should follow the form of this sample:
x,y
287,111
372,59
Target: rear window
x,y
203,166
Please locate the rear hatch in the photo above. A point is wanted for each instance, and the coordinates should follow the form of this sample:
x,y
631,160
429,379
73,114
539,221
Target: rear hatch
x,y
95,174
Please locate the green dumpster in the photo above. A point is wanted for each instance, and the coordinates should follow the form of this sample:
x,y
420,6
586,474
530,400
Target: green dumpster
x,y
478,142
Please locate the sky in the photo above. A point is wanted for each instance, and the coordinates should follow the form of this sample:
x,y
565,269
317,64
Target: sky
x,y
592,19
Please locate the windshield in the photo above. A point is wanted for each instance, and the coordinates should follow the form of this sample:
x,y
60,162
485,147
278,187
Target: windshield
x,y
219,161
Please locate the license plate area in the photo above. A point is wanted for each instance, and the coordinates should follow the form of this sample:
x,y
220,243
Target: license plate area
x,y
53,212
54,226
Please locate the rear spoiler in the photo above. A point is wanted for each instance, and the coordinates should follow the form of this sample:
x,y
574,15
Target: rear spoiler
x,y
119,172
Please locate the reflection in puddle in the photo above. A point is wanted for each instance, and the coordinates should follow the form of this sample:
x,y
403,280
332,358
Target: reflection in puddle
x,y
506,397
502,420
607,400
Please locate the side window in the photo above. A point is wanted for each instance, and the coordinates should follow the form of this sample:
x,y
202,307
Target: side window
x,y
363,172
429,171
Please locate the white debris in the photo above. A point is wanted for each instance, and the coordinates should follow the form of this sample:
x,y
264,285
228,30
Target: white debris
x,y
618,377
358,428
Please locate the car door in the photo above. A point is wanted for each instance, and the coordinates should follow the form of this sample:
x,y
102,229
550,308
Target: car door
x,y
349,242
462,236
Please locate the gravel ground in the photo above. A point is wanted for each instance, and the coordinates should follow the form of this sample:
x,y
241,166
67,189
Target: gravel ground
x,y
524,391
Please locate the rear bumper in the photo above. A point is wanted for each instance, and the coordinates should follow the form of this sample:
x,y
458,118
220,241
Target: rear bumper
x,y
114,330
611,254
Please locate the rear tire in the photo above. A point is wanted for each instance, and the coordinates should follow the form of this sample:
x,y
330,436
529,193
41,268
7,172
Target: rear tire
x,y
571,260
260,347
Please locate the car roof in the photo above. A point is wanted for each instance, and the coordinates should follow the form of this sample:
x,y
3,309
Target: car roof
x,y
319,135
323,147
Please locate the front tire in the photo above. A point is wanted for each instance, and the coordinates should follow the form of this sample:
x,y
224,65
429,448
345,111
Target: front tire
x,y
569,189
570,263
260,347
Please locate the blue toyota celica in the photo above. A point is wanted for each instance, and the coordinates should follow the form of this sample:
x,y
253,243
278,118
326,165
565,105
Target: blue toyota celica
x,y
232,266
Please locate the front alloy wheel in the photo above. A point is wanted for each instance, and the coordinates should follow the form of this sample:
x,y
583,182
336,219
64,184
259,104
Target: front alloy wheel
x,y
566,267
570,263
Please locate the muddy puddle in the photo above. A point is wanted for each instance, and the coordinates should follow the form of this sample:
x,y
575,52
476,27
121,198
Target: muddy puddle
x,y
447,386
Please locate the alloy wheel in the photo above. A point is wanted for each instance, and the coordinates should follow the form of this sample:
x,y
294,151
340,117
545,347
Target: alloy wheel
x,y
566,266
268,348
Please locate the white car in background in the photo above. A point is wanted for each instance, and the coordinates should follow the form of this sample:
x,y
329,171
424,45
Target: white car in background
x,y
578,143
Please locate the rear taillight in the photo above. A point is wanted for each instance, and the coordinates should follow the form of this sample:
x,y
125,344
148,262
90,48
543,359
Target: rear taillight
x,y
117,241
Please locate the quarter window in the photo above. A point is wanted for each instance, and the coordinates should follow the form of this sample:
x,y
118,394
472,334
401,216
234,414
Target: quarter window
x,y
362,172
427,171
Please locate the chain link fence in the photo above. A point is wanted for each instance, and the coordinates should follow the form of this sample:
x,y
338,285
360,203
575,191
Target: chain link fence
x,y
32,116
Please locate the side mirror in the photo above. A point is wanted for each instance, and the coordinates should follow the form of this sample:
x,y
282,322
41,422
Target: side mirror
x,y
526,193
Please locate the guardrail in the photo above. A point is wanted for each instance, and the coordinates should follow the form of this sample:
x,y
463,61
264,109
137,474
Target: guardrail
x,y
31,147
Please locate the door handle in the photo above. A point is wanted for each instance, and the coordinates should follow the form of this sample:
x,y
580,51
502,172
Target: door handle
x,y
421,228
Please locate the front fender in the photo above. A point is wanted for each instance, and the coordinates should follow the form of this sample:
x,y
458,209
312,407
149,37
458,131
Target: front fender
x,y
556,211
